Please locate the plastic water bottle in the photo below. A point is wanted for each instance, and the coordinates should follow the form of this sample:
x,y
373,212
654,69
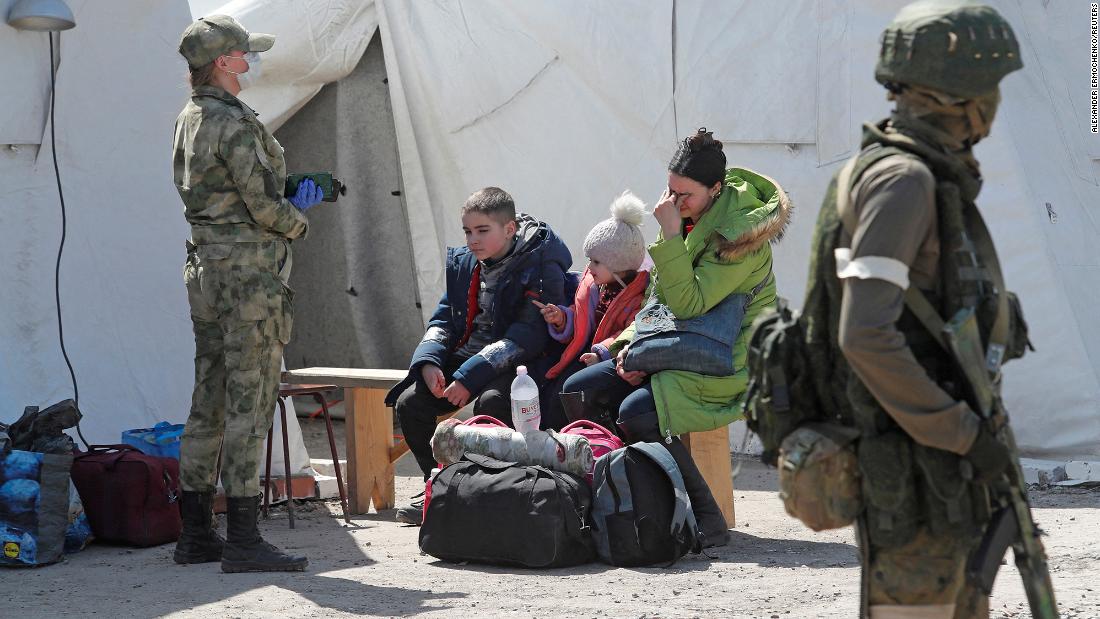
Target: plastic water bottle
x,y
526,415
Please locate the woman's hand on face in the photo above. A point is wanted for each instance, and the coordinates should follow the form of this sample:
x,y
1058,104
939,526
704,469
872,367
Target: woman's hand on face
x,y
667,214
634,378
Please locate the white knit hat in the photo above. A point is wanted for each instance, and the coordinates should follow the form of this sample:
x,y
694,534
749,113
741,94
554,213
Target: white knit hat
x,y
618,243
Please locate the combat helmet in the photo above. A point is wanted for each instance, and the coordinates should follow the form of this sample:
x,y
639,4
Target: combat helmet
x,y
959,48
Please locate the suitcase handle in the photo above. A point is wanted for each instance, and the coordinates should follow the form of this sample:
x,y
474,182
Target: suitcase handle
x,y
100,449
118,447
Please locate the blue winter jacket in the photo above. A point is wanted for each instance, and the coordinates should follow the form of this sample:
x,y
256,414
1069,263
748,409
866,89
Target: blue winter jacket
x,y
535,270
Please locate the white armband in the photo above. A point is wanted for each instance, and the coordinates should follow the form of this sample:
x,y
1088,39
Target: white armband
x,y
871,267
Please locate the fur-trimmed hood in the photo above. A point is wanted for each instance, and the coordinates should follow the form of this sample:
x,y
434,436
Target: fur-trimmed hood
x,y
753,210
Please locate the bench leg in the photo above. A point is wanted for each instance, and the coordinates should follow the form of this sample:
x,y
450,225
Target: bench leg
x,y
320,398
369,424
711,452
286,463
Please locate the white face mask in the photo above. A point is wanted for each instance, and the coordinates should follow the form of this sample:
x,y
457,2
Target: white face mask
x,y
249,77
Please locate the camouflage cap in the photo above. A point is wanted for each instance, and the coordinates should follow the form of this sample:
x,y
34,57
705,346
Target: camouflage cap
x,y
956,47
215,35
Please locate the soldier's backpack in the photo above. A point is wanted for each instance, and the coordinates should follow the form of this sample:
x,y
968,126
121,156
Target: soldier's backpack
x,y
641,513
819,476
780,395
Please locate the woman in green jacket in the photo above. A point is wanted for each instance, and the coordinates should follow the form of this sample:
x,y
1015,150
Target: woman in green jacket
x,y
716,230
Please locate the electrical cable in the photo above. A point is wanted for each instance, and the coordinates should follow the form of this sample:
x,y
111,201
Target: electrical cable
x,y
61,246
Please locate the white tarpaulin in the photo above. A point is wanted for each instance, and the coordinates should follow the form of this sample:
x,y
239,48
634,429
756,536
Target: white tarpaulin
x,y
120,85
317,42
564,104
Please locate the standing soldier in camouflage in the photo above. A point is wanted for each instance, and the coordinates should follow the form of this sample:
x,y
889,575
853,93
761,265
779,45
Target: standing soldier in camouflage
x,y
899,225
230,172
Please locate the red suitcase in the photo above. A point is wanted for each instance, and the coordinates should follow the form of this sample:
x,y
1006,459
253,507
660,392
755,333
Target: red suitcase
x,y
129,497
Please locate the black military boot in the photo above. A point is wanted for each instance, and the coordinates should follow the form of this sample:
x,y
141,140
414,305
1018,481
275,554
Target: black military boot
x,y
707,513
245,550
199,542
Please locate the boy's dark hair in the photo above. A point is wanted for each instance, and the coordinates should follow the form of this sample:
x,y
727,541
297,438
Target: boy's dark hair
x,y
491,201
700,158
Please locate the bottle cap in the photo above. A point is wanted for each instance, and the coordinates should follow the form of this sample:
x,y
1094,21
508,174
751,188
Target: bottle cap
x,y
521,370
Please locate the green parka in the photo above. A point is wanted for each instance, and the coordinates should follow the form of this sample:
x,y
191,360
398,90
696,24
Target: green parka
x,y
730,244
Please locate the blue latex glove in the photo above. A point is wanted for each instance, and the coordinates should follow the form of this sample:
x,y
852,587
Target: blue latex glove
x,y
307,196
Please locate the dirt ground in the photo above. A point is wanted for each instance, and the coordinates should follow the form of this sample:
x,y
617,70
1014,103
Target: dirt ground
x,y
774,568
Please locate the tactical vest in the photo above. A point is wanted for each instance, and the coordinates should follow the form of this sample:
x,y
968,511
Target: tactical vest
x,y
907,485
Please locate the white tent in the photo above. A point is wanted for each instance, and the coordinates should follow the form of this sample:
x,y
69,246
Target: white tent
x,y
563,104
120,85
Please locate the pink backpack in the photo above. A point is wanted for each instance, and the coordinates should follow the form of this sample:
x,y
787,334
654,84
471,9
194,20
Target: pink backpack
x,y
600,438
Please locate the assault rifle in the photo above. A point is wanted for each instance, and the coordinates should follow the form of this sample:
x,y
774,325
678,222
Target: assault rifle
x,y
1011,524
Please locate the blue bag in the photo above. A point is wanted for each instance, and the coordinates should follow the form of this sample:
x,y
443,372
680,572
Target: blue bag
x,y
34,507
161,440
703,344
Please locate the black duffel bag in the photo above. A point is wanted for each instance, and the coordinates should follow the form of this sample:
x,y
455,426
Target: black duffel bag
x,y
490,511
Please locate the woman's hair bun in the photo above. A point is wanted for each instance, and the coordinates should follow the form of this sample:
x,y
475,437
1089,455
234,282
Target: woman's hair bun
x,y
700,158
702,140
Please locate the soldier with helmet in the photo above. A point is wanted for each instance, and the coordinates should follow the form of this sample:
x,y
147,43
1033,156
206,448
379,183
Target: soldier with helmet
x,y
230,172
898,222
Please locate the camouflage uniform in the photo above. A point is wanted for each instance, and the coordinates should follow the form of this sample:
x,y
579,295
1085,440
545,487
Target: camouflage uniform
x,y
230,172
913,222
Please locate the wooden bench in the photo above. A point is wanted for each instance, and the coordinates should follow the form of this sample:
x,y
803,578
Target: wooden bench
x,y
711,452
369,425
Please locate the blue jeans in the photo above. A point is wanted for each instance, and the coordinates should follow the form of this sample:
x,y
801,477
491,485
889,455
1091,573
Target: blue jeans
x,y
637,410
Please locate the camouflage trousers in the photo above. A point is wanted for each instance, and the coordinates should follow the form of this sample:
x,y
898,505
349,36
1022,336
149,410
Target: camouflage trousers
x,y
923,579
241,314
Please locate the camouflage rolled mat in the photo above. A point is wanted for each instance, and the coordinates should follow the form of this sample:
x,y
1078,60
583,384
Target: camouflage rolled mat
x,y
567,453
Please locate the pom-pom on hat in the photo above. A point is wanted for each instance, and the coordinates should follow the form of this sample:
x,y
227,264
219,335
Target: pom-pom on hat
x,y
618,243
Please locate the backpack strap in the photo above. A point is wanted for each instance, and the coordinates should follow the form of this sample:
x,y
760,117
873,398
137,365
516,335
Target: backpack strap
x,y
681,513
604,500
625,499
998,334
757,289
844,196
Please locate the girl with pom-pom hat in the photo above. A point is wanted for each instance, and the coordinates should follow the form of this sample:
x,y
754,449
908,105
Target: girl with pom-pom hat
x,y
610,293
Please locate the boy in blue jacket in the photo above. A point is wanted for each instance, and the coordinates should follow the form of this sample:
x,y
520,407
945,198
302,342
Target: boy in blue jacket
x,y
485,324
